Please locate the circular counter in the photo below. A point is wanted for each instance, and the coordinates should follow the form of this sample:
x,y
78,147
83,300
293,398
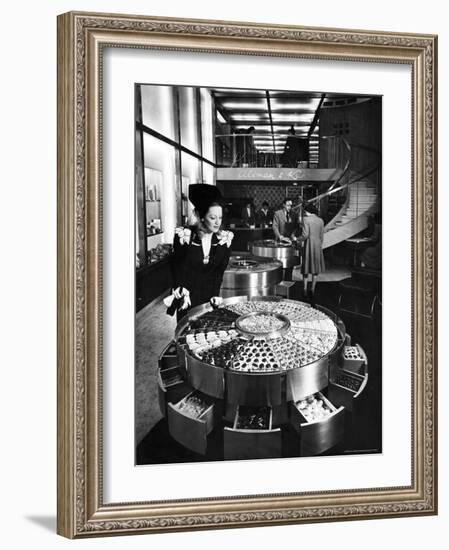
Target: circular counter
x,y
244,236
251,276
269,248
253,367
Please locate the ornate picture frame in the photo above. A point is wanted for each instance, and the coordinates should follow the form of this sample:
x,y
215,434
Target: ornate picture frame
x,y
82,510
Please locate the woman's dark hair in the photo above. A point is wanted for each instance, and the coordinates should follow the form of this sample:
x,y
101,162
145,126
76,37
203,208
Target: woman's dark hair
x,y
311,208
202,210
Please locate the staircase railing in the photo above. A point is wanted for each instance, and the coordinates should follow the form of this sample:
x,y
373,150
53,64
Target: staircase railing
x,y
347,162
344,186
335,187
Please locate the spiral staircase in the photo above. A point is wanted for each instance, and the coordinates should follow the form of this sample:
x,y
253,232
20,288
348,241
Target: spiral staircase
x,y
362,201
356,193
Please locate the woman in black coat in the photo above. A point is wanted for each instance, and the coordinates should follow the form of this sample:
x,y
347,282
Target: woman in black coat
x,y
201,252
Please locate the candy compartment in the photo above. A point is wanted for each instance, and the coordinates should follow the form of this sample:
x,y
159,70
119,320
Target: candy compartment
x,y
314,408
223,355
170,377
253,418
194,404
348,381
354,359
255,356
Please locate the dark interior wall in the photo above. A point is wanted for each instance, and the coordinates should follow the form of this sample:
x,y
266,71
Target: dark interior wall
x,y
273,194
258,193
360,124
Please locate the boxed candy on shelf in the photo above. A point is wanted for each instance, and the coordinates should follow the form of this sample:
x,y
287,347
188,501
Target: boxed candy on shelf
x,y
171,377
353,358
348,381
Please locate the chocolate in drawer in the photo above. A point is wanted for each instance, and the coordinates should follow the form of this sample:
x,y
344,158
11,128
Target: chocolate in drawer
x,y
192,419
346,388
171,387
252,435
170,377
319,424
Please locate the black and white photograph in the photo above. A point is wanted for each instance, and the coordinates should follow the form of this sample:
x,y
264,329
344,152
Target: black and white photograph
x,y
258,288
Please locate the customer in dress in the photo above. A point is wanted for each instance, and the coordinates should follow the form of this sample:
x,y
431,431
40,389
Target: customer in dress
x,y
313,257
201,253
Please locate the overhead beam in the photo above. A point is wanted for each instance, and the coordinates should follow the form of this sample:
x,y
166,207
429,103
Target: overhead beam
x,y
271,119
317,116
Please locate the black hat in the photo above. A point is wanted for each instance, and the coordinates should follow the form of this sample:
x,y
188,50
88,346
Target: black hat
x,y
202,195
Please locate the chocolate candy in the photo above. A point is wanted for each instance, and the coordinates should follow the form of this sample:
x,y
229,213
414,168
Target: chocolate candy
x,y
349,382
251,418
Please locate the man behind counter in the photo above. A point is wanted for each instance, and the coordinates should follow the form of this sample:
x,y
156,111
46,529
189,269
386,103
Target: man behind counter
x,y
248,216
264,216
284,225
283,222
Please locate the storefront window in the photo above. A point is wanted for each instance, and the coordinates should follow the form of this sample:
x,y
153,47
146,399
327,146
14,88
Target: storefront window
x,y
207,125
160,191
188,119
158,112
177,150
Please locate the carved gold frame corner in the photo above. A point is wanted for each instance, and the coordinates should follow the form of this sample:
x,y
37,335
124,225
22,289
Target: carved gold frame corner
x,y
81,38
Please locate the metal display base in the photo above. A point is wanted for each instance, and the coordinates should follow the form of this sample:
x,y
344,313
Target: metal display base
x,y
270,248
258,370
248,275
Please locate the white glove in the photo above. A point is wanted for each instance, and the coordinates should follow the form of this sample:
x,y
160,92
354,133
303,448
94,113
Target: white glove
x,y
177,294
183,234
216,301
225,238
186,302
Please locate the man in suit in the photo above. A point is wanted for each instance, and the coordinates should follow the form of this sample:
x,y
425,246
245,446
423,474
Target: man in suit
x,y
248,217
265,215
283,222
296,149
283,227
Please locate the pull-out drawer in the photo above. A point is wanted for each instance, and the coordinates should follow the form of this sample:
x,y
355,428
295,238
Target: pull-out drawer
x,y
319,424
256,390
345,389
171,387
252,435
171,376
169,357
280,413
192,419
